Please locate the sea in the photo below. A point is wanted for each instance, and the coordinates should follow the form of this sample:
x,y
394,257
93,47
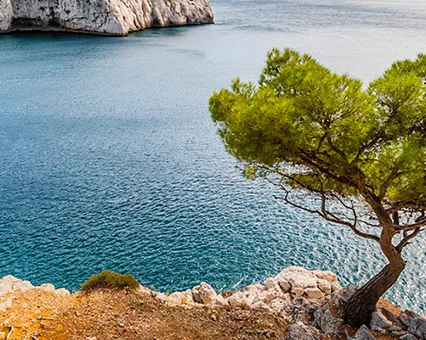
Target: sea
x,y
109,158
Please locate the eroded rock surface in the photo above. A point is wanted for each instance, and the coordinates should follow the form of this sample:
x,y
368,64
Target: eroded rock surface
x,y
113,17
11,287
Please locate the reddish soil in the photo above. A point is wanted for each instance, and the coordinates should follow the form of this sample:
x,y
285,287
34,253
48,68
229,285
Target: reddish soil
x,y
109,314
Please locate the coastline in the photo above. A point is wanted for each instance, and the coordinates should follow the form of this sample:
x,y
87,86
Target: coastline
x,y
295,304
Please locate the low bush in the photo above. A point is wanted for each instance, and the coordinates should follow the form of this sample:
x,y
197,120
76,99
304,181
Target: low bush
x,y
109,279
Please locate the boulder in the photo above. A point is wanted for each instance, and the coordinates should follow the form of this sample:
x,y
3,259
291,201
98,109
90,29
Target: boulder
x,y
299,331
364,334
324,286
285,285
379,322
255,288
203,293
279,304
314,293
243,299
271,294
343,295
405,318
418,327
299,281
326,275
327,322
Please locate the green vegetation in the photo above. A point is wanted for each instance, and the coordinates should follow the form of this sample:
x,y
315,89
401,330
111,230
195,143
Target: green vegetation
x,y
109,279
354,156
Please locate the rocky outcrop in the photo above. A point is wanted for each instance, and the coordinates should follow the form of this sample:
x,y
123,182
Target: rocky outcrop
x,y
11,287
112,17
293,287
309,302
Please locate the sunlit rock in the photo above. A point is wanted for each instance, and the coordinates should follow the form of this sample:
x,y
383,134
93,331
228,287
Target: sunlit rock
x,y
113,17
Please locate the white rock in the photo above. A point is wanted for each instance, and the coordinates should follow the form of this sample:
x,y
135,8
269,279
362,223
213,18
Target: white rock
x,y
255,288
298,280
314,293
204,293
145,290
62,292
279,304
116,17
160,296
6,15
298,271
219,300
243,299
268,295
298,291
47,287
10,284
180,298
285,285
271,282
324,286
335,286
326,275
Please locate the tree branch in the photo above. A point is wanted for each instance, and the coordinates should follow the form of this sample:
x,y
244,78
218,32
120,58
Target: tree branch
x,y
406,240
414,205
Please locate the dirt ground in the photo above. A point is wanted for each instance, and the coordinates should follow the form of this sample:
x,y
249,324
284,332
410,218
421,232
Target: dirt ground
x,y
134,315
106,314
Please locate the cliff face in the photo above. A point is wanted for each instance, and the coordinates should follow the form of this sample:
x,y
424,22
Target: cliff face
x,y
114,17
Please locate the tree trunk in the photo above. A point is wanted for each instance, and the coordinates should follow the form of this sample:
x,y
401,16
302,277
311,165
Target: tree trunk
x,y
362,304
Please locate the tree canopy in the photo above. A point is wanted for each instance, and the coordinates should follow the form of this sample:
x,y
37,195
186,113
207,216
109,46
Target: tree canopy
x,y
316,130
359,151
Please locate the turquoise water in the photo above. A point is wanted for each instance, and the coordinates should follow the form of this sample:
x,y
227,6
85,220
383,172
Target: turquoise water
x,y
109,158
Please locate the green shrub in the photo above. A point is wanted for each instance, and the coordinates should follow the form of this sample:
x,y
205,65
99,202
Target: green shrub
x,y
109,279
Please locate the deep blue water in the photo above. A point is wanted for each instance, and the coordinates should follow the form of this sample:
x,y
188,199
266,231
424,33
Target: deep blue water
x,y
109,158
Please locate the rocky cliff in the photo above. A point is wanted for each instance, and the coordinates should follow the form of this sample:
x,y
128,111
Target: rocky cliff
x,y
112,17
296,304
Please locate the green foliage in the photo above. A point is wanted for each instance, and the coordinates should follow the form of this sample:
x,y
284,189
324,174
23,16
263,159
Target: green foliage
x,y
109,279
314,128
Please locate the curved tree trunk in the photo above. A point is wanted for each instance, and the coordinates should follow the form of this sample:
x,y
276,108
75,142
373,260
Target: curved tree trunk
x,y
362,304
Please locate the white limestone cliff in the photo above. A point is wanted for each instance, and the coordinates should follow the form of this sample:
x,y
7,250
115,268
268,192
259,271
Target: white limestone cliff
x,y
112,17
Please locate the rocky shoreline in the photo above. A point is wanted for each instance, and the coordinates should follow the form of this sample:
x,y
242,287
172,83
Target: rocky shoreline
x,y
106,17
309,302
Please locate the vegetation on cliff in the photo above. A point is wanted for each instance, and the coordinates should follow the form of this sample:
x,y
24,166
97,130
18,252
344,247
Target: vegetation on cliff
x,y
109,279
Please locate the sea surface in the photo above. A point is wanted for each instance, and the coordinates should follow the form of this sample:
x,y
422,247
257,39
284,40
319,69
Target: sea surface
x,y
109,158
